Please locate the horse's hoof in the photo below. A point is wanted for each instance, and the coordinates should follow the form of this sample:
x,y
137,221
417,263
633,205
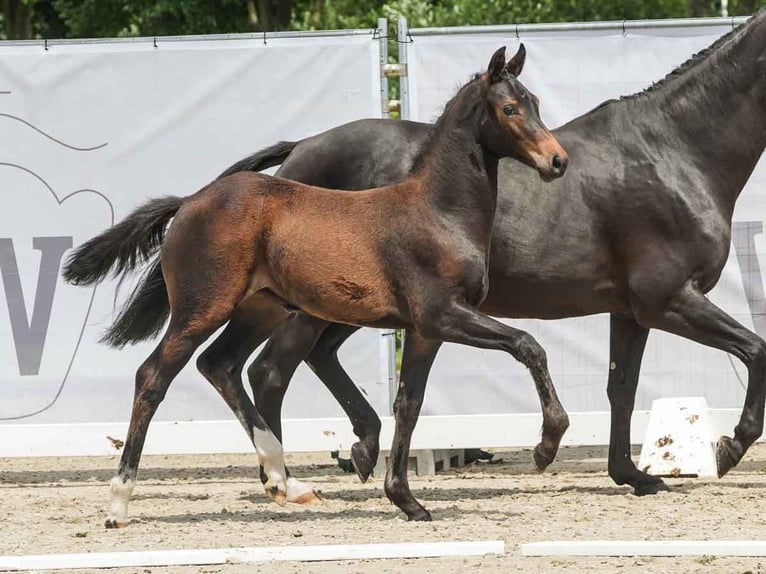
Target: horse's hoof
x,y
277,495
727,455
307,499
420,515
111,523
364,460
650,485
300,493
543,457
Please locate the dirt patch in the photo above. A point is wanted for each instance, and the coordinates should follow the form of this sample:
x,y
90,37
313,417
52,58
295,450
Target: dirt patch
x,y
57,505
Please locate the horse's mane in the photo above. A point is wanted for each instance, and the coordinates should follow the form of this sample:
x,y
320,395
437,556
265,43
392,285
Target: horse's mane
x,y
688,65
436,128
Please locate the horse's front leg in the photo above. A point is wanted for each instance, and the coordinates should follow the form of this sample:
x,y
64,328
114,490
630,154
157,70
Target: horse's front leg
x,y
626,348
418,355
457,322
692,315
460,323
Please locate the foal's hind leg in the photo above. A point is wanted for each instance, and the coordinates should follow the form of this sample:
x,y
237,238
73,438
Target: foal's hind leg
x,y
152,381
691,315
271,372
626,347
221,364
270,375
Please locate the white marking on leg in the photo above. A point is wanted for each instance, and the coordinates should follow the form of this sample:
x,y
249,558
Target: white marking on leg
x,y
299,492
272,458
118,509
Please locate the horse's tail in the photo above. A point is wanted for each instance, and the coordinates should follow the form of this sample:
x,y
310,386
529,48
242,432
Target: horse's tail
x,y
124,246
263,159
144,313
121,249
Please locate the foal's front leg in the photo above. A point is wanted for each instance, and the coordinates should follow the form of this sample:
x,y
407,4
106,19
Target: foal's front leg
x,y
460,323
418,355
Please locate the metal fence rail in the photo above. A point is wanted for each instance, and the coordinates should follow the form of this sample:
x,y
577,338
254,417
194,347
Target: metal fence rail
x,y
615,25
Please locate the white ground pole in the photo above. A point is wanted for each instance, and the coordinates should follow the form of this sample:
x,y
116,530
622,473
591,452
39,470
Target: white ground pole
x,y
205,557
645,548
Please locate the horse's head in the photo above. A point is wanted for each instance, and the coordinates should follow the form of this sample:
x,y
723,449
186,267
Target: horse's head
x,y
514,128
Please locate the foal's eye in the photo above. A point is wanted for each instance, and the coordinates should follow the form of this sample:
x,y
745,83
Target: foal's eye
x,y
509,110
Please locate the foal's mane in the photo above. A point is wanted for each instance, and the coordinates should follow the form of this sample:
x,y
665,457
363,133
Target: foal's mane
x,y
475,110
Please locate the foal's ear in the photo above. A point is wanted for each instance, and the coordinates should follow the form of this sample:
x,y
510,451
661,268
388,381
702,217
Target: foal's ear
x,y
496,65
516,64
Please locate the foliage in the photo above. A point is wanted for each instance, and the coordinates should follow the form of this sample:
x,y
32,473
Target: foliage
x,y
104,18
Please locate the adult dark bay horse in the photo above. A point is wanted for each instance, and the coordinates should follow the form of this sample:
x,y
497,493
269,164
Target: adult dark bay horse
x,y
640,228
411,255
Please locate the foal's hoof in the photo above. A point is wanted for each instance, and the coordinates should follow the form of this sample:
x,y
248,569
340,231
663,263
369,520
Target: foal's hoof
x,y
306,499
649,485
111,523
727,455
364,460
300,493
543,457
419,515
277,495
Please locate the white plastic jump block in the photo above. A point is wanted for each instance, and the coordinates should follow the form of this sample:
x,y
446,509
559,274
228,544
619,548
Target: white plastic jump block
x,y
425,462
679,440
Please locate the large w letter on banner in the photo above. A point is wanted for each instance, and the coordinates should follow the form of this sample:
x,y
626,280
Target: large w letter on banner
x,y
29,336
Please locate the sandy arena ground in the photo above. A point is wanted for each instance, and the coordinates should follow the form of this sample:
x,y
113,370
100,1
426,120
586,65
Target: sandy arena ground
x,y
58,505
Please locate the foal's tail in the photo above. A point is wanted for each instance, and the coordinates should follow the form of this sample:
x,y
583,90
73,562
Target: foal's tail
x,y
263,159
121,249
132,242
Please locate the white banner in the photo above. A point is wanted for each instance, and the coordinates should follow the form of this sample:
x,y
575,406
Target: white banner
x,y
89,131
572,72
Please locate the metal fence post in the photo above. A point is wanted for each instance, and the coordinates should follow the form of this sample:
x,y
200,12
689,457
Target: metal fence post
x,y
402,40
383,41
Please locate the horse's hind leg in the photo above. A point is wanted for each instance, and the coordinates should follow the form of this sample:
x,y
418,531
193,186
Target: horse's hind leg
x,y
289,343
691,315
221,364
323,360
152,381
271,372
626,348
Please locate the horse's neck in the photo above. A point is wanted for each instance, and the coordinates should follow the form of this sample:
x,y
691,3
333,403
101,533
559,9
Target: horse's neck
x,y
719,108
459,177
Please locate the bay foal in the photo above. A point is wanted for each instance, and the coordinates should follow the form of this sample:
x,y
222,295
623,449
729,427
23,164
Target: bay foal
x,y
412,255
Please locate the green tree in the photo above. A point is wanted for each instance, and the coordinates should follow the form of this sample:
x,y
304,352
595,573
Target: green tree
x,y
104,18
17,19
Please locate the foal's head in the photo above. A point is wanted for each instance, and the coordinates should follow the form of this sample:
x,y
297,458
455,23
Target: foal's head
x,y
513,127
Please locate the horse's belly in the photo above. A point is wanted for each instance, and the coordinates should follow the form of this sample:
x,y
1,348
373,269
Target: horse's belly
x,y
555,298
